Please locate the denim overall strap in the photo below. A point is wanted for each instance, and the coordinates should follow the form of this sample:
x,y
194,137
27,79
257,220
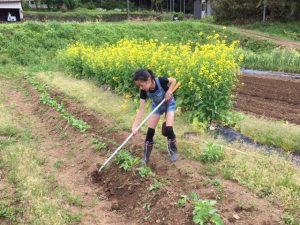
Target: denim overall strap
x,y
158,95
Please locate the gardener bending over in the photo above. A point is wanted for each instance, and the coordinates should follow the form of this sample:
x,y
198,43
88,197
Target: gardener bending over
x,y
156,89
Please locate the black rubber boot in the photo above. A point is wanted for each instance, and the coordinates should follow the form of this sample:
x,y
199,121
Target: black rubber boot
x,y
172,148
147,151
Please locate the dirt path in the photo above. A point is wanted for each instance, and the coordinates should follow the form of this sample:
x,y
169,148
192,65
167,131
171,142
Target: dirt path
x,y
270,96
275,39
119,197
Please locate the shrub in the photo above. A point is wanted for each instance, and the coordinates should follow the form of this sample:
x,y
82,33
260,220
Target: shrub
x,y
207,72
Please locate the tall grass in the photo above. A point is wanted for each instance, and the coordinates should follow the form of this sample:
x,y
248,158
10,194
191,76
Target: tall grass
x,y
286,60
83,14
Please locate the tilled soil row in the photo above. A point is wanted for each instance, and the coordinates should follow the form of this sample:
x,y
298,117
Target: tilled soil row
x,y
124,196
277,98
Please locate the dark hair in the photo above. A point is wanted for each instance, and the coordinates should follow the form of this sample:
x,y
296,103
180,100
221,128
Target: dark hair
x,y
143,75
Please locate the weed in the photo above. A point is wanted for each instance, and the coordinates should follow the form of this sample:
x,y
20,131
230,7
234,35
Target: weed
x,y
193,196
40,161
41,110
264,192
147,218
155,185
12,176
242,206
73,217
209,170
228,171
72,199
289,219
147,206
213,182
7,212
251,205
220,192
205,213
213,153
58,163
182,201
145,171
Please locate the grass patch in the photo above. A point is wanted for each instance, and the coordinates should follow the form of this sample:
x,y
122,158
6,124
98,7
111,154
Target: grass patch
x,y
286,60
289,30
71,198
269,132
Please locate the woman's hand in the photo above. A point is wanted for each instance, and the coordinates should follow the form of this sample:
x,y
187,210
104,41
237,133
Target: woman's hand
x,y
134,131
168,96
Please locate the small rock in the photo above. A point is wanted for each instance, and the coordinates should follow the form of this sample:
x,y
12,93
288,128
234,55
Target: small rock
x,y
157,221
115,206
236,216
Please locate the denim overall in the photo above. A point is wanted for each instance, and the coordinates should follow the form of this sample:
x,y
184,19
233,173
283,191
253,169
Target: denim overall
x,y
158,96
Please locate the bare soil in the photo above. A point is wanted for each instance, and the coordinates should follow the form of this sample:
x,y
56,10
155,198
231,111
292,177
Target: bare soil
x,y
118,197
269,96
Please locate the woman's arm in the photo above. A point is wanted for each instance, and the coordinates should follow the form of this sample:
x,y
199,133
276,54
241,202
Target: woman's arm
x,y
138,116
172,82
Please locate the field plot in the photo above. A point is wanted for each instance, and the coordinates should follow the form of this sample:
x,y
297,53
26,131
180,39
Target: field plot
x,y
125,193
270,96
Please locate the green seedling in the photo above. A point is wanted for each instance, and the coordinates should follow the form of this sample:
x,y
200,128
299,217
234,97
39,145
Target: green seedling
x,y
205,213
155,185
212,153
147,218
182,201
99,144
147,206
145,171
126,160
